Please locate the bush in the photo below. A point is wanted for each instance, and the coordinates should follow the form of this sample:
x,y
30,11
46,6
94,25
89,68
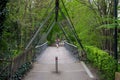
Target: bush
x,y
102,60
14,53
22,71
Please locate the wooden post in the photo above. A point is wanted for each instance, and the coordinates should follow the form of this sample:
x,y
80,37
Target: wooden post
x,y
117,76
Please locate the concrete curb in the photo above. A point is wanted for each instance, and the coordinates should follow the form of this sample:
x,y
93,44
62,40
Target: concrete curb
x,y
87,70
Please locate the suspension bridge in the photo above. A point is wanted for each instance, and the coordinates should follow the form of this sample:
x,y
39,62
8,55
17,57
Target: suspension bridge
x,y
69,66
39,60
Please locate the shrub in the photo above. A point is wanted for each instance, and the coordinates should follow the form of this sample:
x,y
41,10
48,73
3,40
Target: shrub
x,y
103,61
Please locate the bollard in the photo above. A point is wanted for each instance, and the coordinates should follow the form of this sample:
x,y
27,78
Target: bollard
x,y
56,64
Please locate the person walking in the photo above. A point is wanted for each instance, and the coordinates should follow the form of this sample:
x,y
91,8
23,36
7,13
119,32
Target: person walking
x,y
57,42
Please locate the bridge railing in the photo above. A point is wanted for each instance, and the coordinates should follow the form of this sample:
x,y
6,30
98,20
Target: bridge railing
x,y
17,66
26,56
11,67
5,68
73,49
40,48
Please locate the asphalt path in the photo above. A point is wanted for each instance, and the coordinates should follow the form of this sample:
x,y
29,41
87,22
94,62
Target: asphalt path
x,y
69,67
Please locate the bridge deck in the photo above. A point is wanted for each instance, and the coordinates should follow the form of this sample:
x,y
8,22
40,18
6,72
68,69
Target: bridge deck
x,y
69,67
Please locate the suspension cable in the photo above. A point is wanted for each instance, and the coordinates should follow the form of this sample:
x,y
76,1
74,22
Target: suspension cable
x,y
69,17
73,30
56,9
33,38
50,28
61,27
49,6
72,26
51,21
45,30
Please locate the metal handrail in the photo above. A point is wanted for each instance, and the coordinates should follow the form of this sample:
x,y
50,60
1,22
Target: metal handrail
x,y
41,45
16,62
71,44
73,49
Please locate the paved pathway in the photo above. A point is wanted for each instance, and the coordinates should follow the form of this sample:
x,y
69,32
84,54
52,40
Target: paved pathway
x,y
69,67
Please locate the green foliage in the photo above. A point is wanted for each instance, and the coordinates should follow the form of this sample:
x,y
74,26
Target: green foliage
x,y
119,67
22,20
103,61
3,46
85,23
15,53
4,75
108,26
22,71
3,12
